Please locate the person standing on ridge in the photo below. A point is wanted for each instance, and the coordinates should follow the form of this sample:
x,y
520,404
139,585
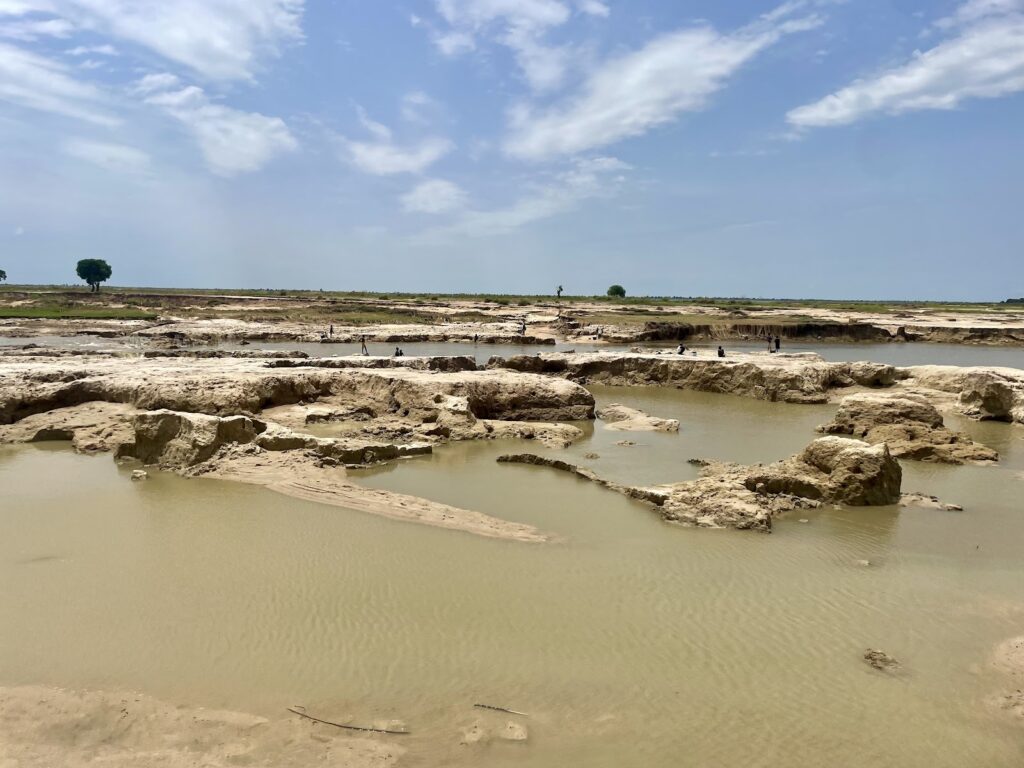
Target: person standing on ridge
x,y
778,342
362,343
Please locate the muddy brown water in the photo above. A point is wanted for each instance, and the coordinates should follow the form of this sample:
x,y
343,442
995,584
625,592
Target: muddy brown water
x,y
901,354
628,642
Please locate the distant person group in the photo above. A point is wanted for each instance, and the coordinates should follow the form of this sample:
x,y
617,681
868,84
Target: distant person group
x,y
774,343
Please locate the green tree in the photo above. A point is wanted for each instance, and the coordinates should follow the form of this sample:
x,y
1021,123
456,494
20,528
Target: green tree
x,y
617,291
94,272
3,275
559,291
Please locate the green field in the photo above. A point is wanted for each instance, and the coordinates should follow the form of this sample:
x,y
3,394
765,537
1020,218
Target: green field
x,y
74,313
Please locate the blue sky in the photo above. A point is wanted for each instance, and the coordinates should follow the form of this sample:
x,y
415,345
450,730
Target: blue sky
x,y
800,148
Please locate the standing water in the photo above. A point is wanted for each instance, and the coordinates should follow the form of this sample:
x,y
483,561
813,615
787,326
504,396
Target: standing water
x,y
627,641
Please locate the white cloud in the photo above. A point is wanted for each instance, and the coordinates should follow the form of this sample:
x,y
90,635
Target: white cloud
x,y
384,158
219,39
975,10
35,82
520,25
587,179
232,141
418,107
381,131
32,29
434,196
112,157
24,7
160,81
520,14
631,94
89,50
985,60
454,43
594,8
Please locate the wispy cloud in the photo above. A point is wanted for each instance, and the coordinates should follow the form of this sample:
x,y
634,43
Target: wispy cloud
x,y
594,8
434,196
219,39
586,179
92,50
24,7
519,25
385,157
419,107
232,141
36,82
984,60
31,30
629,95
119,158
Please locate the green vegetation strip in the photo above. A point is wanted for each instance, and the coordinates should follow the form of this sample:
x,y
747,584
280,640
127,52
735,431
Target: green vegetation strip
x,y
74,313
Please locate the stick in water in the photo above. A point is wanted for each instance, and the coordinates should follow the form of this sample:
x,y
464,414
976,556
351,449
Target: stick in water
x,y
295,711
501,709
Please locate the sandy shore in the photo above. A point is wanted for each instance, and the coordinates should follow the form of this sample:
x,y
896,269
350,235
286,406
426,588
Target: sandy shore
x,y
43,727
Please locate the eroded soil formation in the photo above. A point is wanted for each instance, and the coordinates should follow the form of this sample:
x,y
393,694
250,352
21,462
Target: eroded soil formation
x,y
254,418
350,318
296,424
830,470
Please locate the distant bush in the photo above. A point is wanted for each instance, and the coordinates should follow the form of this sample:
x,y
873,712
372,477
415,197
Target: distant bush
x,y
617,291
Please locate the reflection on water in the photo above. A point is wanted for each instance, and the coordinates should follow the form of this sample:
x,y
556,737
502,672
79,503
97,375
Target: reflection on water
x,y
629,642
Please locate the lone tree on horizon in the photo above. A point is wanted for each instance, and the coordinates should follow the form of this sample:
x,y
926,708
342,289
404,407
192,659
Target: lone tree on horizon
x,y
94,272
558,293
3,275
617,291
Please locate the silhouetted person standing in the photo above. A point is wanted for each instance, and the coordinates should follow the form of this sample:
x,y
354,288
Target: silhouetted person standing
x,y
721,352
778,343
362,343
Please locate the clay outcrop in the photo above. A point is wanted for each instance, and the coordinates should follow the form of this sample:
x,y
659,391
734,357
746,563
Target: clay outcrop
x,y
246,387
248,420
911,426
988,394
180,440
831,470
796,378
622,417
